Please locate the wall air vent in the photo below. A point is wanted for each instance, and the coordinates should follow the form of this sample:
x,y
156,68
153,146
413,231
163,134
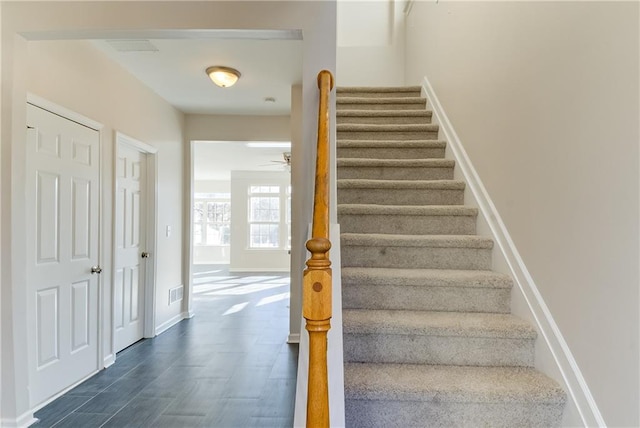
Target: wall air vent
x,y
176,294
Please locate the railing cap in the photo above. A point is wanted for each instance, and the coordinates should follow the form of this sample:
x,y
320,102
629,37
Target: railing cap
x,y
323,74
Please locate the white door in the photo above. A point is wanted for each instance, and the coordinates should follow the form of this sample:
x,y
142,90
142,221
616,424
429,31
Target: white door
x,y
62,252
131,252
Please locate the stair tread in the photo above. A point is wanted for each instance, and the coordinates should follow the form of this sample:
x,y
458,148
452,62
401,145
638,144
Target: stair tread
x,y
383,113
375,89
354,127
426,277
361,183
400,163
411,322
416,382
431,210
391,143
381,100
433,241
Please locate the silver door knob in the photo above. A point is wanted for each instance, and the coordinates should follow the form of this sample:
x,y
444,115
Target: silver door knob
x,y
96,269
144,255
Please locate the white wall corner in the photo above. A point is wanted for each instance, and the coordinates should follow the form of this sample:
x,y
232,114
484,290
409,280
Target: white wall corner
x,y
579,395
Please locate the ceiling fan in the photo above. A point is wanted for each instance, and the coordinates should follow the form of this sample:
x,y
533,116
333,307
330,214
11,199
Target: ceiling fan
x,y
286,161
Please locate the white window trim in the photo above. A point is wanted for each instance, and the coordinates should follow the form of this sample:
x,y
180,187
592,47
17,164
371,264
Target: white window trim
x,y
205,220
283,226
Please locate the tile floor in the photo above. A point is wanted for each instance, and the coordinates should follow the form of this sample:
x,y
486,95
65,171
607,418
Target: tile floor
x,y
229,366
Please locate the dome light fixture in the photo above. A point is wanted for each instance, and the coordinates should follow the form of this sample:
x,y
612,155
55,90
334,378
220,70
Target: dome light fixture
x,y
223,76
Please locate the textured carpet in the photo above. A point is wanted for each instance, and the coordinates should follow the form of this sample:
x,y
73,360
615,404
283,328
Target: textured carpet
x,y
429,340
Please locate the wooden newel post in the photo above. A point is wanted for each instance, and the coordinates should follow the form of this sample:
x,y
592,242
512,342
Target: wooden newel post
x,y
317,311
316,283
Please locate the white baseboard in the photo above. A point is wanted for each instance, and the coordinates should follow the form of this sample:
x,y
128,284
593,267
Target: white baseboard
x,y
23,421
574,382
190,314
170,323
251,270
293,338
109,360
27,419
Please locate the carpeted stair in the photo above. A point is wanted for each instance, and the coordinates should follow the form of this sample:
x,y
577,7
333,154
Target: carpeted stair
x,y
429,340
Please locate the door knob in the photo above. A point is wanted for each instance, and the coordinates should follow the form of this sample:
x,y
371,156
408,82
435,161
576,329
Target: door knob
x,y
144,255
96,269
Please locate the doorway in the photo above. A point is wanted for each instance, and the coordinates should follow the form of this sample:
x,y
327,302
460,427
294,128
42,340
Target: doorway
x,y
134,243
242,205
63,173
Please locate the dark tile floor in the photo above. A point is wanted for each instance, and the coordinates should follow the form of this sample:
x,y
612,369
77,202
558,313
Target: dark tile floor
x,y
229,366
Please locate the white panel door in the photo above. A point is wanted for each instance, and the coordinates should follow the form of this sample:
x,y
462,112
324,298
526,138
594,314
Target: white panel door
x,y
130,260
62,248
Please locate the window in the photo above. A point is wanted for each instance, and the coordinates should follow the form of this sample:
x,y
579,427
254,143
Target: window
x,y
212,219
269,217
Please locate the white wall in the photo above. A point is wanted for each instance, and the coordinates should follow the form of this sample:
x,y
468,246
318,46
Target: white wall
x,y
299,232
544,95
237,128
211,186
77,76
81,20
370,43
243,258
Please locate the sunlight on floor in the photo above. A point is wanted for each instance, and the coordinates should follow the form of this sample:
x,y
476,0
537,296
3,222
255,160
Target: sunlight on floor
x,y
236,308
273,299
233,286
245,289
260,290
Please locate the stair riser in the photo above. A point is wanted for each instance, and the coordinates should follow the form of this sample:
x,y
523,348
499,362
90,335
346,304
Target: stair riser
x,y
408,224
390,153
401,196
450,299
395,173
385,120
439,414
387,135
399,94
418,105
454,351
416,257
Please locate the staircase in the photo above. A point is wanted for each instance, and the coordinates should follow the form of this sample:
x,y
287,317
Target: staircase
x,y
429,340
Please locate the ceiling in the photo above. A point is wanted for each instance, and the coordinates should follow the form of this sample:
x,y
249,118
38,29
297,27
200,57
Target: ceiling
x,y
216,160
173,66
175,70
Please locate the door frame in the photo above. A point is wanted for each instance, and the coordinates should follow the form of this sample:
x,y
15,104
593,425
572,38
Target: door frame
x,y
73,116
151,222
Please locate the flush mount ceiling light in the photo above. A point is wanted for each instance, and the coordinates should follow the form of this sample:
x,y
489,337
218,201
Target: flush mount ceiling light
x,y
223,76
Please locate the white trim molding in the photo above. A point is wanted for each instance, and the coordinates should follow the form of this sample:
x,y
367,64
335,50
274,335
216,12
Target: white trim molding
x,y
64,112
293,338
109,360
171,322
138,145
574,382
25,420
151,232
